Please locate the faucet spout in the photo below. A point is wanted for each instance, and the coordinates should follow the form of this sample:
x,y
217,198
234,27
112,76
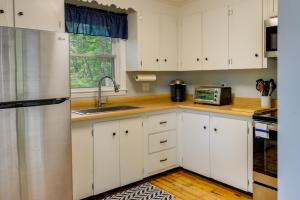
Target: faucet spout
x,y
116,89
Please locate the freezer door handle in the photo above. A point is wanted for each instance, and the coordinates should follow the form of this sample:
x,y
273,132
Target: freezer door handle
x,y
30,103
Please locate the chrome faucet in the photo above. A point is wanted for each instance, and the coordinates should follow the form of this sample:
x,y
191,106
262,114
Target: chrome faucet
x,y
116,88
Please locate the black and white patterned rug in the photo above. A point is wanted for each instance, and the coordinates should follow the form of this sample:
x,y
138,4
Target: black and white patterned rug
x,y
145,191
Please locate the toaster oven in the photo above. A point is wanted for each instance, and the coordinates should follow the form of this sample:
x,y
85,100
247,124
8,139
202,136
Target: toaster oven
x,y
213,95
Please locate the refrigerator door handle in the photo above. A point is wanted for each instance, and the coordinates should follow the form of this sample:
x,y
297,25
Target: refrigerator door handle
x,y
30,103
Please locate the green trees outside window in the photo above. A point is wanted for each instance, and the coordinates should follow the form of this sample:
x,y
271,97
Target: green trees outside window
x,y
90,59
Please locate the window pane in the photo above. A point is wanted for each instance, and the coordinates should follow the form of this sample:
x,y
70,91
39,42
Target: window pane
x,y
86,72
85,44
90,59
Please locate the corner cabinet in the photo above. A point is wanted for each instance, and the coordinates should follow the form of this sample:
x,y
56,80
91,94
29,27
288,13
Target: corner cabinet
x,y
152,43
216,147
224,37
33,14
228,151
246,35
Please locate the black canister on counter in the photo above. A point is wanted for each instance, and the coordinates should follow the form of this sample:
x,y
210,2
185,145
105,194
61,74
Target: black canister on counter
x,y
178,90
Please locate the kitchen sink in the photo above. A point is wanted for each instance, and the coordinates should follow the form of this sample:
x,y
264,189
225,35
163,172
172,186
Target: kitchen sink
x,y
104,109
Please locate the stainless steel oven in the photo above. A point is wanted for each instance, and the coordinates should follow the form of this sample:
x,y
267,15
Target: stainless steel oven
x,y
265,156
271,35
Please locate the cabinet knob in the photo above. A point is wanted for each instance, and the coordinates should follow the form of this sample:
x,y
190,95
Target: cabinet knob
x,y
206,59
114,134
157,60
166,60
1,11
198,59
204,127
126,132
215,129
164,160
256,55
20,13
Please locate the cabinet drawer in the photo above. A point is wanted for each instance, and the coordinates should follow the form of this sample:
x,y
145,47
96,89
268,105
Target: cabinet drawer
x,y
162,122
162,141
161,160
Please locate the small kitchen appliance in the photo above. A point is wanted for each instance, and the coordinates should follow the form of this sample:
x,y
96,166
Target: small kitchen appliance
x,y
178,90
213,95
271,35
265,139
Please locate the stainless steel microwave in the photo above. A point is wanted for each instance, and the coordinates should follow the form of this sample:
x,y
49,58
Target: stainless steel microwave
x,y
213,95
271,33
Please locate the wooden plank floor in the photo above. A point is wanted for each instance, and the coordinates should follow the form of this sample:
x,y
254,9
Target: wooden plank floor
x,y
187,186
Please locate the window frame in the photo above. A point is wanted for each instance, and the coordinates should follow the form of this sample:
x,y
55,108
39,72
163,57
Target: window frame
x,y
119,56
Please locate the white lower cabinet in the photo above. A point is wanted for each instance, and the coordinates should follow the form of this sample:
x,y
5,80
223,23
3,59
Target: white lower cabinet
x,y
131,150
228,147
118,154
216,147
82,160
106,156
160,143
195,143
115,153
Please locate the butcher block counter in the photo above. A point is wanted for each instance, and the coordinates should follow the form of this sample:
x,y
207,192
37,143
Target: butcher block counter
x,y
245,107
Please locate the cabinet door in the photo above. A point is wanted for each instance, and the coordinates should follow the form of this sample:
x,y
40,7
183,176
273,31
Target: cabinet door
x,y
106,156
150,41
195,146
228,147
275,8
6,13
246,35
40,15
82,160
168,43
131,150
191,42
215,39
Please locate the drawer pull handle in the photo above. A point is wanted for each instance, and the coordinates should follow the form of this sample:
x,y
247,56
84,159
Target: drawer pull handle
x,y
164,160
163,122
163,141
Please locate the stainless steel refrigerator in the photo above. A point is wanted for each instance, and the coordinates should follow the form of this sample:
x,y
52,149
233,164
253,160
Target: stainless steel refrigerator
x,y
35,136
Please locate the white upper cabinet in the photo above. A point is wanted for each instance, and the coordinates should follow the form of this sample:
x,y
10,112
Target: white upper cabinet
x,y
195,143
106,156
215,39
158,42
150,33
270,8
168,43
191,42
228,148
6,13
33,14
246,35
131,150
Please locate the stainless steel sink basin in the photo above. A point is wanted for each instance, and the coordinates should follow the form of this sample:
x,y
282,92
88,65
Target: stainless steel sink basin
x,y
104,109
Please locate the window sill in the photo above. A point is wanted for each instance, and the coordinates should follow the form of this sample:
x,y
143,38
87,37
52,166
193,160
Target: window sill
x,y
93,93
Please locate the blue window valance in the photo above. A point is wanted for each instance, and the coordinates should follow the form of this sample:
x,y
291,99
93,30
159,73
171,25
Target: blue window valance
x,y
90,21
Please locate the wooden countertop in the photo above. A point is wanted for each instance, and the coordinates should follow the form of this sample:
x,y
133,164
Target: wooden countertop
x,y
241,107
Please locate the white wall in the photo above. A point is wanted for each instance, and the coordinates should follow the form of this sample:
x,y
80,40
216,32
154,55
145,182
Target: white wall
x,y
289,99
242,81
